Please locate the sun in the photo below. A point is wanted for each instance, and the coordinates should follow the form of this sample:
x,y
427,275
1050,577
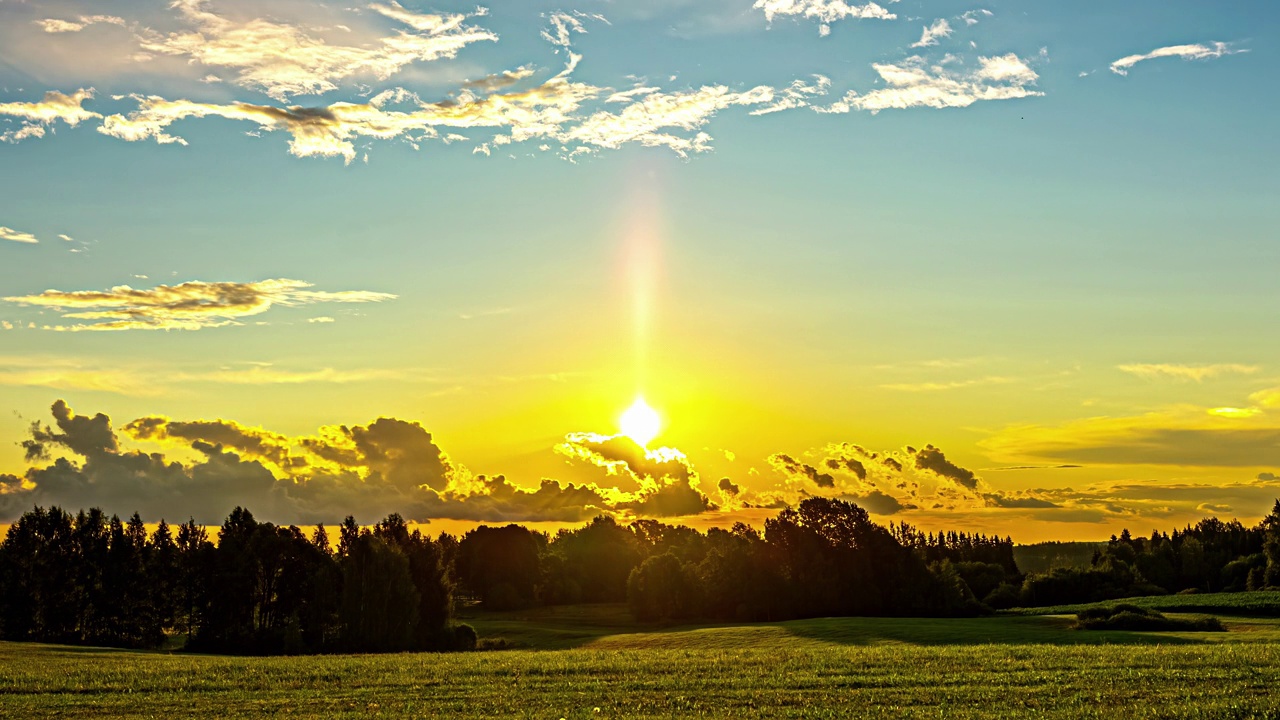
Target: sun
x,y
640,422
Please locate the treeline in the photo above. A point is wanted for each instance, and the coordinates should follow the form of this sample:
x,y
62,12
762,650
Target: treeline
x,y
262,589
1210,556
266,589
823,558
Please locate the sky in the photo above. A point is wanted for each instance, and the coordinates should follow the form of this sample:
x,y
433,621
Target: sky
x,y
1003,267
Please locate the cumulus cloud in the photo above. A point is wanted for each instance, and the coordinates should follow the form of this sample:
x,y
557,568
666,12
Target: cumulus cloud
x,y
1186,52
788,465
7,233
1198,373
657,482
939,29
931,458
188,306
284,60
916,83
39,116
386,466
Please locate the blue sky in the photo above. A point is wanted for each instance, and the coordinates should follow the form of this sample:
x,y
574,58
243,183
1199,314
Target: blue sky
x,y
1044,237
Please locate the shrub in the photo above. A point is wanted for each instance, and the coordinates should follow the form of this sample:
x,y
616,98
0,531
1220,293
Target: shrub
x,y
1131,617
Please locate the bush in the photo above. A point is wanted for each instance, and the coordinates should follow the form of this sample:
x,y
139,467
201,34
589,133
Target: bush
x,y
1131,617
464,637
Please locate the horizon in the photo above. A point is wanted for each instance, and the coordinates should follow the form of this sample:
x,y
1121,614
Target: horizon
x,y
971,266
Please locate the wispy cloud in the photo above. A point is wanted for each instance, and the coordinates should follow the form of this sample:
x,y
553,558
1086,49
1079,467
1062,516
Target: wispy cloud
x,y
284,60
916,83
54,25
188,306
1186,52
649,120
951,385
939,29
1198,373
7,233
970,17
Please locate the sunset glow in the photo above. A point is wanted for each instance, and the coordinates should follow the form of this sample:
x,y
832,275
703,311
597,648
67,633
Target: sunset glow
x,y
949,263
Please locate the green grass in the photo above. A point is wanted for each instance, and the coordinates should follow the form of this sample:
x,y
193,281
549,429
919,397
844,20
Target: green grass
x,y
1006,666
1265,603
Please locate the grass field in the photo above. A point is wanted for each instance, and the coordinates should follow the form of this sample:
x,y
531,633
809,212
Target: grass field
x,y
593,662
1250,604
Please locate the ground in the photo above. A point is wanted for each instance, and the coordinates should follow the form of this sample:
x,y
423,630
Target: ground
x,y
594,662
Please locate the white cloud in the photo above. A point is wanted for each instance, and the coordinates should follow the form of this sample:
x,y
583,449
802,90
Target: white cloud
x,y
283,60
1198,373
915,83
54,25
650,120
18,236
797,95
188,306
939,29
971,17
825,11
39,115
1186,52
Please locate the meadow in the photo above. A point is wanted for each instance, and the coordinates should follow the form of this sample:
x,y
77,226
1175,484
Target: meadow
x,y
594,662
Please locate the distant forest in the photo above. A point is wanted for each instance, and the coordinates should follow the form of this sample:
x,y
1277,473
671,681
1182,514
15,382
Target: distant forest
x,y
268,589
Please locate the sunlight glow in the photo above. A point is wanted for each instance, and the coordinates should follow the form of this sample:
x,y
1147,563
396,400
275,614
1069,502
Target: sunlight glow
x,y
640,422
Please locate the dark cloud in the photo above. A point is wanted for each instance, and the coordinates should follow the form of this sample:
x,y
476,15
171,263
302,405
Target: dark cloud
x,y
791,466
1004,501
931,458
892,464
728,487
368,471
675,499
878,503
253,442
854,466
83,435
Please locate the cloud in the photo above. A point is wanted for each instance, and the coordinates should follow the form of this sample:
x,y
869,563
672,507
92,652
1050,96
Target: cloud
x,y
797,95
1187,438
54,25
328,131
7,233
284,60
939,29
1268,398
931,458
1186,52
788,465
878,503
1198,373
729,487
915,83
38,116
824,11
952,385
970,17
188,306
565,25
649,120
386,466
